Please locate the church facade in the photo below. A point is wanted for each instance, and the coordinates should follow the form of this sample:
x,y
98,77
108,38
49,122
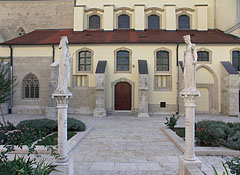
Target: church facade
x,y
127,57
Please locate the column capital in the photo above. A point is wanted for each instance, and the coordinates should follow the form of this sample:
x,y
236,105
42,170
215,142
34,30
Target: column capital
x,y
190,97
62,99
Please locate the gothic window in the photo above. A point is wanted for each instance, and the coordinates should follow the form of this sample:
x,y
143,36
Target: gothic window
x,y
162,62
153,22
236,60
123,22
122,60
203,56
183,22
94,22
84,61
30,86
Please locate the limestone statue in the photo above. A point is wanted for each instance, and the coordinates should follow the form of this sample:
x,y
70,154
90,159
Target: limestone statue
x,y
64,66
189,64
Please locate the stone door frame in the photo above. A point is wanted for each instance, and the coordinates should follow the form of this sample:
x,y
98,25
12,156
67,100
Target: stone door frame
x,y
113,92
212,90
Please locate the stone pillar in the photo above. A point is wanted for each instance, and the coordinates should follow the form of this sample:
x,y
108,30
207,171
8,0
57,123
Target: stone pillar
x,y
170,11
79,18
62,105
143,88
63,162
108,17
139,16
100,108
189,158
51,110
143,96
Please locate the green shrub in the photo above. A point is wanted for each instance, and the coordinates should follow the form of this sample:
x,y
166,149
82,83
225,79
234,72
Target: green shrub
x,y
233,141
171,122
22,166
75,125
234,165
44,124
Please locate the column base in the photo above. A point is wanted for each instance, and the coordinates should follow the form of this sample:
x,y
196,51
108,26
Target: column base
x,y
143,115
64,168
99,112
182,163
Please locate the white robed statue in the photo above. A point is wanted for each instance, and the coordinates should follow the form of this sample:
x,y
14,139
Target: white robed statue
x,y
64,66
189,64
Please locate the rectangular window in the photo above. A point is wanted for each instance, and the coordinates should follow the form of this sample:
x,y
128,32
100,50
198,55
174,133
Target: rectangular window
x,y
163,83
82,80
84,61
122,61
162,61
236,60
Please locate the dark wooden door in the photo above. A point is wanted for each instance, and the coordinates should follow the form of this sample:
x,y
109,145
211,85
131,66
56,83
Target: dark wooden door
x,y
123,96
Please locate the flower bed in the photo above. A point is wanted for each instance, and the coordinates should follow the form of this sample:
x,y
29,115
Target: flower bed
x,y
215,133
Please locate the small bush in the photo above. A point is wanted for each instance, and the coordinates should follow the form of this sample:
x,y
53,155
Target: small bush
x,y
75,125
44,124
22,166
171,122
234,165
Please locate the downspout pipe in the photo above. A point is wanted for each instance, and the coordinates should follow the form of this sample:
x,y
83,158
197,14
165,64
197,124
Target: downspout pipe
x,y
11,69
53,54
177,100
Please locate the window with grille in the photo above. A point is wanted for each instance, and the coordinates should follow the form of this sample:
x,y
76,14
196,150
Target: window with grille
x,y
203,56
94,22
84,61
31,86
153,22
183,22
236,60
162,61
123,22
122,61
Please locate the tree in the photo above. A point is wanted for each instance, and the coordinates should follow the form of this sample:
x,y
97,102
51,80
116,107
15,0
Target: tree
x,y
7,82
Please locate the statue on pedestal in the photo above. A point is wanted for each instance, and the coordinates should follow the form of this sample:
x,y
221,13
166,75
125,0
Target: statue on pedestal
x,y
64,66
189,64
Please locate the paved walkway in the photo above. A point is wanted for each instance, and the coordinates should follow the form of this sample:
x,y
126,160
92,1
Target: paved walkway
x,y
127,145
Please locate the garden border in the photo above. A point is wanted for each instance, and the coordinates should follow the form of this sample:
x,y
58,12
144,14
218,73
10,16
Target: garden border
x,y
199,151
45,150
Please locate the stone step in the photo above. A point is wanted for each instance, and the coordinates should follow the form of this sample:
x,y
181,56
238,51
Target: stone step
x,y
121,113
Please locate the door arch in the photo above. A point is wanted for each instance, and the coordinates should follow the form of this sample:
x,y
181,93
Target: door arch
x,y
131,84
123,96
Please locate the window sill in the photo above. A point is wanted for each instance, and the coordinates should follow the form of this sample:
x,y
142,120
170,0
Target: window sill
x,y
163,73
122,72
30,99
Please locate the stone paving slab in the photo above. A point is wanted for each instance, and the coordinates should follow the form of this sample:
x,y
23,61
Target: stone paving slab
x,y
127,145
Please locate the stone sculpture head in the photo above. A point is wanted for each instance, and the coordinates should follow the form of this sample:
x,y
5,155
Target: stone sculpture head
x,y
187,39
63,42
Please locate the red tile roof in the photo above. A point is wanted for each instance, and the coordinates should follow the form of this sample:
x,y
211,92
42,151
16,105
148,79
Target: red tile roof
x,y
50,36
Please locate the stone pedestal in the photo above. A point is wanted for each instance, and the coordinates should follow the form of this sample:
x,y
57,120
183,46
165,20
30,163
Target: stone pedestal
x,y
100,107
182,163
189,157
143,96
62,105
64,168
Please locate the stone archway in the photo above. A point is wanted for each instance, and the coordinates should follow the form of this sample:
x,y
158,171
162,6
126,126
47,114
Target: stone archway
x,y
209,88
132,86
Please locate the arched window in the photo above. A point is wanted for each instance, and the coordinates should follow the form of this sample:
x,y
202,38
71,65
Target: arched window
x,y
153,22
122,60
236,59
203,56
183,22
30,86
84,61
162,61
94,22
123,22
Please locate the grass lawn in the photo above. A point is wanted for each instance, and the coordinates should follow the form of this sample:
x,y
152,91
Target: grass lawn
x,y
53,139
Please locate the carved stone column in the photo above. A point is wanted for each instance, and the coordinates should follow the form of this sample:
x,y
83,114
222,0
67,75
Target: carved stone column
x,y
189,157
62,105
